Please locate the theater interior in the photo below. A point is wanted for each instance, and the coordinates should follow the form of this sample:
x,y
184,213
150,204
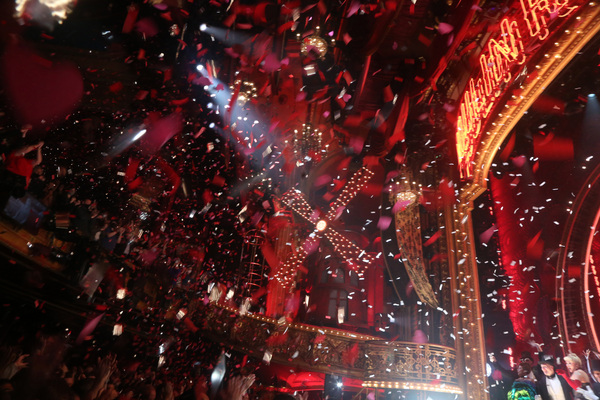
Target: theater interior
x,y
359,199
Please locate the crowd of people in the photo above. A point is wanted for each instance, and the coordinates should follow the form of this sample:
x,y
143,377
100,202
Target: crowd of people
x,y
547,380
103,253
51,198
51,372
97,243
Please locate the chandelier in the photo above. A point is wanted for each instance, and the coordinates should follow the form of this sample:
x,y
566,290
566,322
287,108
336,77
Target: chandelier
x,y
247,90
314,43
307,141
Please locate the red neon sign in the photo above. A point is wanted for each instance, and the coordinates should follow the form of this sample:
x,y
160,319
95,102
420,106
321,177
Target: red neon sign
x,y
502,55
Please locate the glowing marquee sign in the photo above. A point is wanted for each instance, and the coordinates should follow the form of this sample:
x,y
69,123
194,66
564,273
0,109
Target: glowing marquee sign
x,y
502,54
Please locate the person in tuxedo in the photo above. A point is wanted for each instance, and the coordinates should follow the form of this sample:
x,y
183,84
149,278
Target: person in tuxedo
x,y
552,386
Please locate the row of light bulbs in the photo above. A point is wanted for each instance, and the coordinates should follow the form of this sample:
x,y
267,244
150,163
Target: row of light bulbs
x,y
442,388
357,258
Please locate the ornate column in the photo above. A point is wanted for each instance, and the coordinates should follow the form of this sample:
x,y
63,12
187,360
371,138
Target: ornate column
x,y
470,345
543,67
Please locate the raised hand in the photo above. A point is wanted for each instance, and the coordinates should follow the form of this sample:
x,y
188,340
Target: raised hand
x,y
20,363
237,387
302,396
106,366
248,381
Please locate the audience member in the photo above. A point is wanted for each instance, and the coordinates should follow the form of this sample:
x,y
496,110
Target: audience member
x,y
595,370
552,386
573,364
523,388
17,172
38,183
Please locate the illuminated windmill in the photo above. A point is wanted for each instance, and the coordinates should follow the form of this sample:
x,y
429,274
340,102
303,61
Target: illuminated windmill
x,y
357,258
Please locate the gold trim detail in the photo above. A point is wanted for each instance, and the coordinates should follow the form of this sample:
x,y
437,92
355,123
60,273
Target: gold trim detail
x,y
412,386
576,32
408,234
403,365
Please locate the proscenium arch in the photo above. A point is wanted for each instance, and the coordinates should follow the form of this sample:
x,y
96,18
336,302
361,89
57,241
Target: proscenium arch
x,y
574,34
573,268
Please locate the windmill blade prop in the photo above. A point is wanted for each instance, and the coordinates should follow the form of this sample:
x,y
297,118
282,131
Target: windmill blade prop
x,y
295,200
351,253
286,273
355,185
357,258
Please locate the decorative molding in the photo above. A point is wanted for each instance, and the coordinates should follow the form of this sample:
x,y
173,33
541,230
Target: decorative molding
x,y
575,33
403,365
411,363
574,266
500,65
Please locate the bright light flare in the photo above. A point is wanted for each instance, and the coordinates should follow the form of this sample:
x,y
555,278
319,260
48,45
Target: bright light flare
x,y
321,225
139,135
34,10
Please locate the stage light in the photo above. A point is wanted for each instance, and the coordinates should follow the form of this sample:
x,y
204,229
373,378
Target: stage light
x,y
139,134
321,225
591,95
200,67
203,27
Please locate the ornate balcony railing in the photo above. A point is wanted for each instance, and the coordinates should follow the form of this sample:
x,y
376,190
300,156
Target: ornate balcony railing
x,y
378,363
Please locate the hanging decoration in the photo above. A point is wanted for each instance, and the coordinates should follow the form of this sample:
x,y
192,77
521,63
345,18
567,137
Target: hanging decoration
x,y
307,142
408,232
314,44
247,91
